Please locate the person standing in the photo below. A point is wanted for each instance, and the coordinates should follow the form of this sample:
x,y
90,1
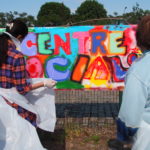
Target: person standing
x,y
133,123
14,86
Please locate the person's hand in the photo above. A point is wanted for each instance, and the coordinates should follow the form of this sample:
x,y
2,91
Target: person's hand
x,y
49,83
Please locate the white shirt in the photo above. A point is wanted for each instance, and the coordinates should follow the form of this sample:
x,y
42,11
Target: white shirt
x,y
136,96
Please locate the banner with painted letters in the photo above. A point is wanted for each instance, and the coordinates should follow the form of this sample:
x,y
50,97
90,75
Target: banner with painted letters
x,y
81,57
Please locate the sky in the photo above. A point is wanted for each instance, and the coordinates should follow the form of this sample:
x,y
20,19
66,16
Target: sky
x,y
32,7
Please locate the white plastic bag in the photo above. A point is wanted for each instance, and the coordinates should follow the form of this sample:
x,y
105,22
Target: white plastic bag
x,y
40,101
15,132
43,102
142,140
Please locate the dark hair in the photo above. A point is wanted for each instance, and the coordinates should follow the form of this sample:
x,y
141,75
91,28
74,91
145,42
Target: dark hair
x,y
15,28
143,33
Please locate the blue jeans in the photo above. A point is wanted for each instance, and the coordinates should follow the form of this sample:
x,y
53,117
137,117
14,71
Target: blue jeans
x,y
124,133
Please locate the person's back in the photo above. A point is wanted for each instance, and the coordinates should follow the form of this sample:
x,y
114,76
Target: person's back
x,y
133,121
21,112
12,64
13,72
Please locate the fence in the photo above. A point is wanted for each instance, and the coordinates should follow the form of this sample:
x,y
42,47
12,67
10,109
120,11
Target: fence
x,y
89,108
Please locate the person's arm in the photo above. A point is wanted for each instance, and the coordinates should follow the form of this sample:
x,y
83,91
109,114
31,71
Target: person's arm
x,y
132,107
20,75
134,100
20,78
36,85
46,83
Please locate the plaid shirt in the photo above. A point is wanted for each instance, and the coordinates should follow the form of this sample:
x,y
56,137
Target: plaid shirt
x,y
13,73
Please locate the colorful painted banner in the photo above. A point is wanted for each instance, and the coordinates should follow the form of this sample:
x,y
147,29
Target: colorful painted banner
x,y
81,57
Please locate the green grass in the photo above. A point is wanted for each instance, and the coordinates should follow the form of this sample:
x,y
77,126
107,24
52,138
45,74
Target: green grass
x,y
93,138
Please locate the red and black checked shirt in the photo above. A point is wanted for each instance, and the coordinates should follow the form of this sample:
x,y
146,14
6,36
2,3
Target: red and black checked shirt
x,y
13,73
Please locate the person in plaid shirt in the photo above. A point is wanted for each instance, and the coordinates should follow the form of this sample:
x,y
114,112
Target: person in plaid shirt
x,y
13,67
13,72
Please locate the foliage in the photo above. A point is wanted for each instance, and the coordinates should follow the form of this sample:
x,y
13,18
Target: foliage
x,y
136,14
90,9
90,12
8,16
28,19
53,14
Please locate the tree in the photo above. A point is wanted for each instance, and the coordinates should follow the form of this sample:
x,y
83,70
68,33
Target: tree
x,y
8,16
136,14
53,13
91,9
2,19
28,19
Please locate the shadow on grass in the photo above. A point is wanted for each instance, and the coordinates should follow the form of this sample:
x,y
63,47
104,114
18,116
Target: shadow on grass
x,y
52,141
